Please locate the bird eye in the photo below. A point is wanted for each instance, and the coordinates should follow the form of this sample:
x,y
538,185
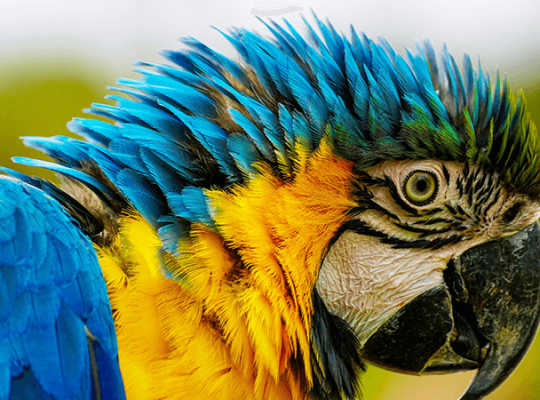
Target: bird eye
x,y
420,187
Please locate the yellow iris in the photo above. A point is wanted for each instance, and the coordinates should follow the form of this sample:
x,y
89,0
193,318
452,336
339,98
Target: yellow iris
x,y
420,187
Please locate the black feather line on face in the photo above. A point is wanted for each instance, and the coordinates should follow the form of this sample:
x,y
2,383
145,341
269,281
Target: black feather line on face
x,y
462,211
466,171
433,211
335,356
397,198
360,227
446,174
459,184
493,201
434,221
484,195
424,232
470,188
372,205
450,208
387,182
364,198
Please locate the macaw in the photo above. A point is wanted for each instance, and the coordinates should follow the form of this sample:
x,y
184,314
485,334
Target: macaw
x,y
262,228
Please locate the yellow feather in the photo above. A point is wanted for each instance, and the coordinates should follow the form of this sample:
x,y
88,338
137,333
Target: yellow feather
x,y
237,311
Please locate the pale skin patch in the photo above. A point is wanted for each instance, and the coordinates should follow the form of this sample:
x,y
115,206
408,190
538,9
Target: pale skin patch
x,y
365,281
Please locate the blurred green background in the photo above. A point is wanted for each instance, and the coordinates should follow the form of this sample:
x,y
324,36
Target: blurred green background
x,y
37,99
58,57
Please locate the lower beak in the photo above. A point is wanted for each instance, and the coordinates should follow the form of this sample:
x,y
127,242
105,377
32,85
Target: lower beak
x,y
485,317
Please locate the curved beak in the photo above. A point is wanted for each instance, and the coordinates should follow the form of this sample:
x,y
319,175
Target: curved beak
x,y
502,279
485,316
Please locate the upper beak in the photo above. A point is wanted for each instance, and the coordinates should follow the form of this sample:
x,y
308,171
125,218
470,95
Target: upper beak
x,y
503,283
485,316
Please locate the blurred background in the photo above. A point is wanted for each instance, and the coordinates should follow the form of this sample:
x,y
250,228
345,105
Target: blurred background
x,y
59,56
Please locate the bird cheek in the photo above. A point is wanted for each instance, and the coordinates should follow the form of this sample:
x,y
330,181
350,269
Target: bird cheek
x,y
365,282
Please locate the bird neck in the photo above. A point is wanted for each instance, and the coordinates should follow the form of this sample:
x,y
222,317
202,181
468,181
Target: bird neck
x,y
230,312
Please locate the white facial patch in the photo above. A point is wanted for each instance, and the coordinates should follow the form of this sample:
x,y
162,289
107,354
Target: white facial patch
x,y
365,282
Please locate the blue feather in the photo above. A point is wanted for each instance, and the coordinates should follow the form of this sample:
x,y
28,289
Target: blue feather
x,y
243,151
94,131
166,148
259,140
171,230
309,100
185,77
286,122
360,48
171,89
383,109
333,42
260,69
237,43
214,139
167,178
142,194
128,153
453,106
109,376
47,355
153,117
176,57
144,98
191,204
483,86
470,89
225,63
64,150
302,133
88,180
406,81
292,48
110,112
327,63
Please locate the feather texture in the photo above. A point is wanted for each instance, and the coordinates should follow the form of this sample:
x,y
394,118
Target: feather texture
x,y
51,291
227,181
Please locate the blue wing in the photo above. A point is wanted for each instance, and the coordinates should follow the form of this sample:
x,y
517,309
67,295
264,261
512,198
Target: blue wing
x,y
57,337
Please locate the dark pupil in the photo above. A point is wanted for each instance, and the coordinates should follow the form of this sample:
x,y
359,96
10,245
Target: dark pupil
x,y
421,185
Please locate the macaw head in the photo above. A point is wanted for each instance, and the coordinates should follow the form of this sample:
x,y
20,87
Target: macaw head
x,y
364,207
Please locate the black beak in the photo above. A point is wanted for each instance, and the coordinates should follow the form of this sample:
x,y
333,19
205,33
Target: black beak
x,y
485,317
503,283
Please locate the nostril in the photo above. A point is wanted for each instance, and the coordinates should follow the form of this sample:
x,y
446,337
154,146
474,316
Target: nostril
x,y
512,213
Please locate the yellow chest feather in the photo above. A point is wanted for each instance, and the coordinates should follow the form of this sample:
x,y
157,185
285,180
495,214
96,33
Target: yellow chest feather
x,y
236,311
